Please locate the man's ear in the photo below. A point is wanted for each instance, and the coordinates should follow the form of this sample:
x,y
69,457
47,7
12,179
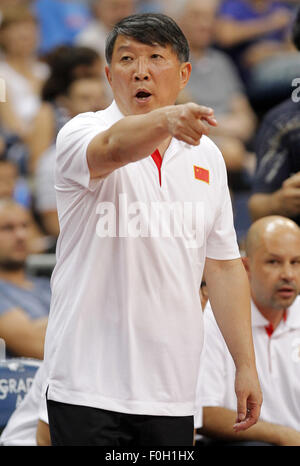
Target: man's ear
x,y
245,261
185,73
108,74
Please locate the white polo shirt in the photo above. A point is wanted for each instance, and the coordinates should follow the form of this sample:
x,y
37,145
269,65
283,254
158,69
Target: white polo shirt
x,y
125,326
277,362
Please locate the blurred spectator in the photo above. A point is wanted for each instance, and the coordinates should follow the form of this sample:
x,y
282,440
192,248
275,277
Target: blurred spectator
x,y
256,34
66,63
28,425
60,22
106,13
13,186
276,182
16,188
273,265
23,73
80,95
24,299
12,148
216,83
149,6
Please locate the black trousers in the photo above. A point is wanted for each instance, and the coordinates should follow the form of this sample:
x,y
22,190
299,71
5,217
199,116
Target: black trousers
x,y
72,425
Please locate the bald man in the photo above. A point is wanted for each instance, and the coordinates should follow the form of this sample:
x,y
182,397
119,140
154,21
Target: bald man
x,y
273,265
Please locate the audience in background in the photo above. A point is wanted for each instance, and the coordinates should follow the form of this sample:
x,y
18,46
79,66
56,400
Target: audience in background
x,y
106,13
276,183
60,22
216,83
21,69
24,300
12,185
65,63
256,35
85,94
15,150
273,265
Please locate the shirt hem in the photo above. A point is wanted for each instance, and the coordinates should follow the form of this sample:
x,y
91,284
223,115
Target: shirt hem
x,y
121,406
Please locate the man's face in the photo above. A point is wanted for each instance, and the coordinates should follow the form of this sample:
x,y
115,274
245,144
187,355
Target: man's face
x,y
20,38
111,12
198,22
8,178
274,271
145,77
86,95
14,236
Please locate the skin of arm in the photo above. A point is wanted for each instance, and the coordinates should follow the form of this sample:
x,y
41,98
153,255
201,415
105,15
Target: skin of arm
x,y
230,32
285,201
217,422
43,434
23,336
136,136
50,222
231,307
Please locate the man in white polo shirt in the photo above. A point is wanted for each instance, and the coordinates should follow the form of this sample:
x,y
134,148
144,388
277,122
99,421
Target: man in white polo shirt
x,y
273,265
143,202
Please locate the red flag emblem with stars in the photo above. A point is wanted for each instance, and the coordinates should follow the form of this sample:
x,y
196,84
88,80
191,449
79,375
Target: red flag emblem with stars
x,y
201,174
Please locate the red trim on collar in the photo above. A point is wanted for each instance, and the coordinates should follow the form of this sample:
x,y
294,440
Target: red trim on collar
x,y
270,329
158,161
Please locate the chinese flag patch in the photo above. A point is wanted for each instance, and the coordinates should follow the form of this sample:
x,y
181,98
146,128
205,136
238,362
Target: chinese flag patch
x,y
201,174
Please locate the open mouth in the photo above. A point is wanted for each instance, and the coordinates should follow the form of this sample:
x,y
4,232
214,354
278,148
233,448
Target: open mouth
x,y
143,95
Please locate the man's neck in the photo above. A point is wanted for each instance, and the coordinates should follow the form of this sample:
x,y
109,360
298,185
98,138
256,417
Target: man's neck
x,y
164,146
274,316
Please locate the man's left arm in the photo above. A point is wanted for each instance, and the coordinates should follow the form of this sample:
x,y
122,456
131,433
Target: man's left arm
x,y
229,295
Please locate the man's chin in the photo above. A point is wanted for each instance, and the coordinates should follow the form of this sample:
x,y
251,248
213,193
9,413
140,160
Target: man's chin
x,y
285,302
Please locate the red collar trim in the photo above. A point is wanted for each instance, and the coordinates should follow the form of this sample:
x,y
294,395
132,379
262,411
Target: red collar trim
x,y
270,329
158,161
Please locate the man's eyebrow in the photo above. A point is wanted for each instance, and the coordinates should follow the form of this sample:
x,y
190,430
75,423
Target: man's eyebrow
x,y
278,256
131,46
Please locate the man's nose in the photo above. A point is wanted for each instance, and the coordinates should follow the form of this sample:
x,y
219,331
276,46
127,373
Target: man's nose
x,y
142,70
287,271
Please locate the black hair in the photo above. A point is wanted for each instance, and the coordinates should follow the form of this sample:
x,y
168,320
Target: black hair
x,y
65,63
150,29
296,30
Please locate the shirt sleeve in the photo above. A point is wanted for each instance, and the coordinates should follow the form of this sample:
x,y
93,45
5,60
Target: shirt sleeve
x,y
71,168
272,156
222,242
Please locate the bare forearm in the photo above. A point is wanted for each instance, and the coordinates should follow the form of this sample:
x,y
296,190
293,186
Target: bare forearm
x,y
218,421
135,137
232,32
262,204
229,295
23,336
